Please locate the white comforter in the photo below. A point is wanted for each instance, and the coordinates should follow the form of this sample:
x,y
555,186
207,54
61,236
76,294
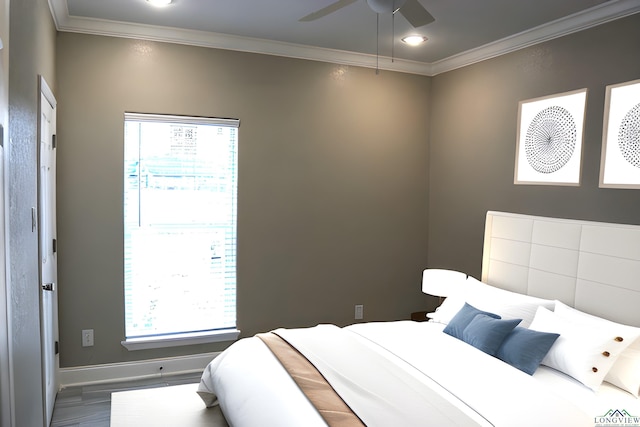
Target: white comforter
x,y
253,389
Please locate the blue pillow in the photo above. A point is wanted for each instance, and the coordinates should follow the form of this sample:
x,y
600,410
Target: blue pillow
x,y
487,333
463,318
525,348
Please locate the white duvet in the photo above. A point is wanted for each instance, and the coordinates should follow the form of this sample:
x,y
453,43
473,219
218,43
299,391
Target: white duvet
x,y
471,387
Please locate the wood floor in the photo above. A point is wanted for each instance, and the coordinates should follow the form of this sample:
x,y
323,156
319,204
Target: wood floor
x,y
90,406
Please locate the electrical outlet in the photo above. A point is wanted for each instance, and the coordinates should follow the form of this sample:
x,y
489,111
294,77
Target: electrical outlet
x,y
87,337
359,311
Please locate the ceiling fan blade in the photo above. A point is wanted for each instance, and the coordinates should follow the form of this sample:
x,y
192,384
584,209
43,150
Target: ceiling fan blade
x,y
415,13
326,10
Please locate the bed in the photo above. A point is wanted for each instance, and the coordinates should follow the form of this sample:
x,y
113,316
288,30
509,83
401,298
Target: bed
x,y
548,335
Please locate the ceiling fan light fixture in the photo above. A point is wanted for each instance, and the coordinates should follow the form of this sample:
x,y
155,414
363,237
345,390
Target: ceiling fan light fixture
x,y
414,40
159,3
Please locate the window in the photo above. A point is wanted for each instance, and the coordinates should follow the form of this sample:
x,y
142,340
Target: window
x,y
180,198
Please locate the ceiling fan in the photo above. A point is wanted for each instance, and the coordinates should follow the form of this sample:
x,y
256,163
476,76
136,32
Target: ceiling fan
x,y
412,10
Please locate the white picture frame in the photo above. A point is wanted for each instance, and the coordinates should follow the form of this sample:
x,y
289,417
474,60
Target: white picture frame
x,y
550,139
620,159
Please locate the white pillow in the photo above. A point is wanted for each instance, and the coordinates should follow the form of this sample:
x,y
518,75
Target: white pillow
x,y
449,308
625,372
584,353
506,304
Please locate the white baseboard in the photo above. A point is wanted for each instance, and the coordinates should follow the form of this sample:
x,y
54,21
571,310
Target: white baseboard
x,y
152,368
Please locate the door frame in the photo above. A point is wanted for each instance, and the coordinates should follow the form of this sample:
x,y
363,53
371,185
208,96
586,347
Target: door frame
x,y
6,371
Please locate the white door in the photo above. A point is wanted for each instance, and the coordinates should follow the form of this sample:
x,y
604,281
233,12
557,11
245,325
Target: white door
x,y
48,256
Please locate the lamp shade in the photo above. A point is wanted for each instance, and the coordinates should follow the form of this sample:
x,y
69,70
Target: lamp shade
x,y
441,283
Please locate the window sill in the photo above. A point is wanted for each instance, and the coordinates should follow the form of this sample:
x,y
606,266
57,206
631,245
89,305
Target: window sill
x,y
162,341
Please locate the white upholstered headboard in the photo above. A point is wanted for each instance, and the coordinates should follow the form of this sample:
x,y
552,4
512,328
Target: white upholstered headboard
x,y
592,266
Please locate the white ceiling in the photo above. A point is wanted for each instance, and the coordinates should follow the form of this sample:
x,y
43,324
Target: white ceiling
x,y
464,31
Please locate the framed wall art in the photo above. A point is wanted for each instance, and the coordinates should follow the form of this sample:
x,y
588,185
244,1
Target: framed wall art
x,y
550,134
620,161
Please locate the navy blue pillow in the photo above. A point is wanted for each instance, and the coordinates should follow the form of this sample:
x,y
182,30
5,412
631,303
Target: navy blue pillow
x,y
487,333
463,318
525,348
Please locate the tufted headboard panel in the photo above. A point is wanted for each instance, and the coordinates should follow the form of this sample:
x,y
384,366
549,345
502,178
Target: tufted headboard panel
x,y
592,266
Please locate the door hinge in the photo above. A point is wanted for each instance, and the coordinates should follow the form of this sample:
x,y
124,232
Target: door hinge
x,y
57,347
34,220
54,141
55,245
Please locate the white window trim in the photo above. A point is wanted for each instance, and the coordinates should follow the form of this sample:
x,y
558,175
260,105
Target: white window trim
x,y
192,338
176,340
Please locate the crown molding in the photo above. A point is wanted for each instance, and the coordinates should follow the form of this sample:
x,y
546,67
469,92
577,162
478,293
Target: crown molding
x,y
571,24
561,27
66,23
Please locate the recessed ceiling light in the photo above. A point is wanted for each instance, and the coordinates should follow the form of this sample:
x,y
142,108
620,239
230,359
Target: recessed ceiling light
x,y
414,40
159,2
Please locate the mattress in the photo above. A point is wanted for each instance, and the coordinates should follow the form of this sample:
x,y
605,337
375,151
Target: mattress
x,y
253,389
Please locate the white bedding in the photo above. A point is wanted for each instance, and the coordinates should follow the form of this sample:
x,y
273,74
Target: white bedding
x,y
253,389
379,389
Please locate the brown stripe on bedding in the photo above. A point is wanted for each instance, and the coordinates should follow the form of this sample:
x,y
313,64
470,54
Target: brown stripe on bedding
x,y
330,405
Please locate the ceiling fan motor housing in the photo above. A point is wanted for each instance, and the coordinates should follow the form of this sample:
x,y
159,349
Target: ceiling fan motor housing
x,y
385,6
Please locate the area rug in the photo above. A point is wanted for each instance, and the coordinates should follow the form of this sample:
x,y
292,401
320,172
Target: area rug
x,y
170,406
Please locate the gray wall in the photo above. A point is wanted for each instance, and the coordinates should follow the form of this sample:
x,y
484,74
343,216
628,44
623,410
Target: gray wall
x,y
333,183
343,173
473,139
32,53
